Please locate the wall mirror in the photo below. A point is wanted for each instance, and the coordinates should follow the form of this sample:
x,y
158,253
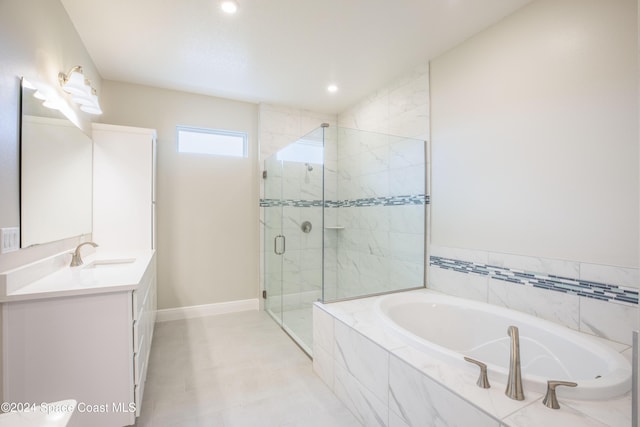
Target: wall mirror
x,y
55,173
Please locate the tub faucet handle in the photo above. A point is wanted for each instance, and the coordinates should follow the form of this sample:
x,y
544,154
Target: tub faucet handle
x,y
483,379
551,400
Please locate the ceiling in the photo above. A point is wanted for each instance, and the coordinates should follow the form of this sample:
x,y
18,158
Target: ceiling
x,y
283,52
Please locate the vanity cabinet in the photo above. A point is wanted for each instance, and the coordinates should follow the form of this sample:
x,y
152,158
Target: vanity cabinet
x,y
91,347
124,187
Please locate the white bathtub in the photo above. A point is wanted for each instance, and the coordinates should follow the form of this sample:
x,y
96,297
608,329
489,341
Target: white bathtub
x,y
449,328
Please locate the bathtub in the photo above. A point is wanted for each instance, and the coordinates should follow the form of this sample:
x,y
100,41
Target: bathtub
x,y
449,328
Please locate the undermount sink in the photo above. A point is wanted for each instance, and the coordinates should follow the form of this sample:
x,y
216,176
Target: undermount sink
x,y
109,263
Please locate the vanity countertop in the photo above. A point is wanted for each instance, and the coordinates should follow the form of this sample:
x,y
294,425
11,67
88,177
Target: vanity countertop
x,y
101,272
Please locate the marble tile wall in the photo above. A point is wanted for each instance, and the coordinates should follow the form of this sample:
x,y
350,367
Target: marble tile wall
x,y
382,248
597,299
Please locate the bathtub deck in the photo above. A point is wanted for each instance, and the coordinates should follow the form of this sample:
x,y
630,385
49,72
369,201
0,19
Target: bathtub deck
x,y
381,378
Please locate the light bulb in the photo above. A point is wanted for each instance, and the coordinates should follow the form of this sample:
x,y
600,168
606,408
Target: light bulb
x,y
229,6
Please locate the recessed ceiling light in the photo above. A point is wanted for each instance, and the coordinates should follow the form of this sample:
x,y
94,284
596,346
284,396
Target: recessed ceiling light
x,y
332,88
229,6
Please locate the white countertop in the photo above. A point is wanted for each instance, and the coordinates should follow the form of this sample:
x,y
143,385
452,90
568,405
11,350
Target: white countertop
x,y
83,280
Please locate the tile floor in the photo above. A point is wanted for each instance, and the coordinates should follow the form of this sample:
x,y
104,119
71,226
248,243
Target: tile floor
x,y
234,370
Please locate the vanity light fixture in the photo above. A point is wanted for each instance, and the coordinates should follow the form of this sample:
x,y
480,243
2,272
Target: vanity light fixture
x,y
82,93
229,6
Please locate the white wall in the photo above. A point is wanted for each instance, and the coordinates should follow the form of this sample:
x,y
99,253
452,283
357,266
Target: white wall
x,y
207,208
37,41
535,135
534,126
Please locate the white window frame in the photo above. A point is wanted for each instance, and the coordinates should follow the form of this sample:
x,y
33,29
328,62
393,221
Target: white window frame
x,y
214,132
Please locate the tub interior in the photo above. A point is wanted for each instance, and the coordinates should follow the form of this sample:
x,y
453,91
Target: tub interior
x,y
455,327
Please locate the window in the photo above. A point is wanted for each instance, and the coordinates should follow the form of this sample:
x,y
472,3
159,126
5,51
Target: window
x,y
215,142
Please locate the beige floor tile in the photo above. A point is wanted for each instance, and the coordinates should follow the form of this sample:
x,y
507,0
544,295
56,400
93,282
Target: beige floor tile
x,y
234,370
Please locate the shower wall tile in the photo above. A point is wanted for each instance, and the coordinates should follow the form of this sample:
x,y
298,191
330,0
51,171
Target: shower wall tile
x,y
556,307
404,153
280,126
410,180
407,219
405,274
407,246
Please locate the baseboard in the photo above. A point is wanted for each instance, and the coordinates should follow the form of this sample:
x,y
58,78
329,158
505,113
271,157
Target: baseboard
x,y
194,311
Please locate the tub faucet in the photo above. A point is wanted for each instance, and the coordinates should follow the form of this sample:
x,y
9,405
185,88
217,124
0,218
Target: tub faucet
x,y
76,259
514,383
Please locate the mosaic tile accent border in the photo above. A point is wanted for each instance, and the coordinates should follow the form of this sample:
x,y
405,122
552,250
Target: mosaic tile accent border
x,y
583,288
414,199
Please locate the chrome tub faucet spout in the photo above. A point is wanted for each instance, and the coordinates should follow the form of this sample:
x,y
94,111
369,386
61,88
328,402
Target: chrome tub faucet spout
x,y
514,383
76,259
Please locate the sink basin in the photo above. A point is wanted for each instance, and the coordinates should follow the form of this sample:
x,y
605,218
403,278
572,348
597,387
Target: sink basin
x,y
109,263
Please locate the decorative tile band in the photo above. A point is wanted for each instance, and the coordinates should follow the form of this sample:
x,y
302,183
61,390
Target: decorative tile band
x,y
414,199
583,288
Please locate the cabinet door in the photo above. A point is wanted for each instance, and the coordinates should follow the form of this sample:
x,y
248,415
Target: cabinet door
x,y
123,208
77,347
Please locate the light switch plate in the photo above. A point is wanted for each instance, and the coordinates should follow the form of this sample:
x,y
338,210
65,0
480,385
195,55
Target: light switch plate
x,y
9,239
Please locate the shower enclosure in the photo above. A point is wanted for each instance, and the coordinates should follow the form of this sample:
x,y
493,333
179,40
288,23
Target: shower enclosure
x,y
344,217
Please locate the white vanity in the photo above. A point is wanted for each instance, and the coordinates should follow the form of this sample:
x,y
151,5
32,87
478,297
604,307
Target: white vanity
x,y
80,332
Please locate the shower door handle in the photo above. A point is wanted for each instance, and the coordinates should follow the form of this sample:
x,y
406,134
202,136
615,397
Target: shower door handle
x,y
275,244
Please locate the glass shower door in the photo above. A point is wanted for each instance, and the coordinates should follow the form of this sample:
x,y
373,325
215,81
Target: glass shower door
x,y
274,241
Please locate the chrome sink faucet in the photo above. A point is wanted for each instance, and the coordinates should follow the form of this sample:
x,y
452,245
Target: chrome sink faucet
x,y
514,383
76,259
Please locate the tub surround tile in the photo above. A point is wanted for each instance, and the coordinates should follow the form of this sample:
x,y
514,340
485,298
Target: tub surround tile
x,y
362,403
575,286
323,365
536,415
410,398
416,398
611,321
607,274
569,293
556,267
396,421
469,255
560,308
323,330
469,286
615,413
373,371
463,379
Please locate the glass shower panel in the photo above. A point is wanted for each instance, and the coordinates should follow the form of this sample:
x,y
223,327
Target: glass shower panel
x,y
302,185
293,233
379,215
273,240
